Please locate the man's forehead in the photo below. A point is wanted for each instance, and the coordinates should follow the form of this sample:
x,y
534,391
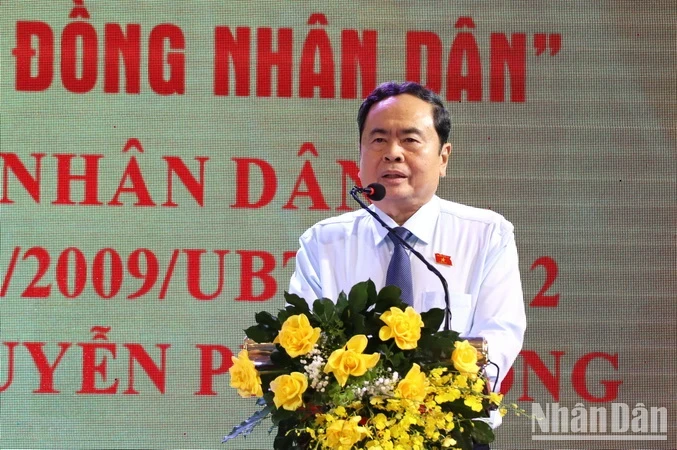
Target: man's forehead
x,y
400,99
403,106
402,130
400,115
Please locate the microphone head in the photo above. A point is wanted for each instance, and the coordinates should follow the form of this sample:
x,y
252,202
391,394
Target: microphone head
x,y
378,192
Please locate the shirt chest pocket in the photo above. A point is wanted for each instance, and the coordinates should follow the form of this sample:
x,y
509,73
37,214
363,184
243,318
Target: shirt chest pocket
x,y
461,305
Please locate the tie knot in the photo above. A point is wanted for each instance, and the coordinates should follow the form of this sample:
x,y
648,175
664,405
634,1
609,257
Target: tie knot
x,y
402,232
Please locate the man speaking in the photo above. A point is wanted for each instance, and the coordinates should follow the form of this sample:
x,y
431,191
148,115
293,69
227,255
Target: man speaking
x,y
404,131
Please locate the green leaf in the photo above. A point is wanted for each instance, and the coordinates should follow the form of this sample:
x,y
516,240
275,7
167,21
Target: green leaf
x,y
324,309
399,361
391,292
341,304
281,414
267,319
438,345
482,432
260,334
287,439
283,315
452,335
358,297
385,350
388,297
372,296
463,439
297,302
373,325
268,397
427,342
358,325
433,318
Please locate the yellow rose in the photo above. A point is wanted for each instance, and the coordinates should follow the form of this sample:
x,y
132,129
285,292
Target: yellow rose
x,y
404,326
464,357
244,377
349,360
297,337
413,386
343,434
289,390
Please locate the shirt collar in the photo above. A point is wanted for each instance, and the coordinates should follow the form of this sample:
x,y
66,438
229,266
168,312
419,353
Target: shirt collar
x,y
421,224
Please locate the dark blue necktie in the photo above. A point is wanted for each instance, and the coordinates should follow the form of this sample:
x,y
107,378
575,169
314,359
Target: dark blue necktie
x,y
399,269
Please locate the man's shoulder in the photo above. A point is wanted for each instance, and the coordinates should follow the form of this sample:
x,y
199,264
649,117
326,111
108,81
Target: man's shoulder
x,y
348,217
336,225
472,214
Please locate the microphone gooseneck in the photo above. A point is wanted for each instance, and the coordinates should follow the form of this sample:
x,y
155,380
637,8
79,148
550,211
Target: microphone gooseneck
x,y
376,192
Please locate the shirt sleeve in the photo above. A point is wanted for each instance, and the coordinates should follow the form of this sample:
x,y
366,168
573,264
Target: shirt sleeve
x,y
499,314
305,281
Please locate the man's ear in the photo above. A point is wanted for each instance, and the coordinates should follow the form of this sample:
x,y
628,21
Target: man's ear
x,y
359,163
445,153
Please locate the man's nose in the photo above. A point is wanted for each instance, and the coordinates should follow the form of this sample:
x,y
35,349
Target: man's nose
x,y
393,153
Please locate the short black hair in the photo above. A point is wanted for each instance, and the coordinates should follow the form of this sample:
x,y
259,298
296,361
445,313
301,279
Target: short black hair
x,y
441,116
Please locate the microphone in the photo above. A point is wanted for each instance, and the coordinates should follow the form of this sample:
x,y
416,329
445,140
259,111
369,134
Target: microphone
x,y
376,192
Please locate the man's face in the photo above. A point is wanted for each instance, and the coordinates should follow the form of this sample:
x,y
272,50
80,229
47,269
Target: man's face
x,y
401,150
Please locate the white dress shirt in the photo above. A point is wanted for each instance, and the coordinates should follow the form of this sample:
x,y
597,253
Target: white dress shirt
x,y
485,290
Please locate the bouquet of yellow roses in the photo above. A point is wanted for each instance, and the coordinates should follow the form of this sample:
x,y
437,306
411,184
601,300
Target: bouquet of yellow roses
x,y
366,372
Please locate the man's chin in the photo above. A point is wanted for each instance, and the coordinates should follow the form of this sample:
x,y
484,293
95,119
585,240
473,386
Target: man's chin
x,y
395,200
396,186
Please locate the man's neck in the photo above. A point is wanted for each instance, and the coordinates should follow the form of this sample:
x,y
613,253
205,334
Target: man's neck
x,y
400,215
